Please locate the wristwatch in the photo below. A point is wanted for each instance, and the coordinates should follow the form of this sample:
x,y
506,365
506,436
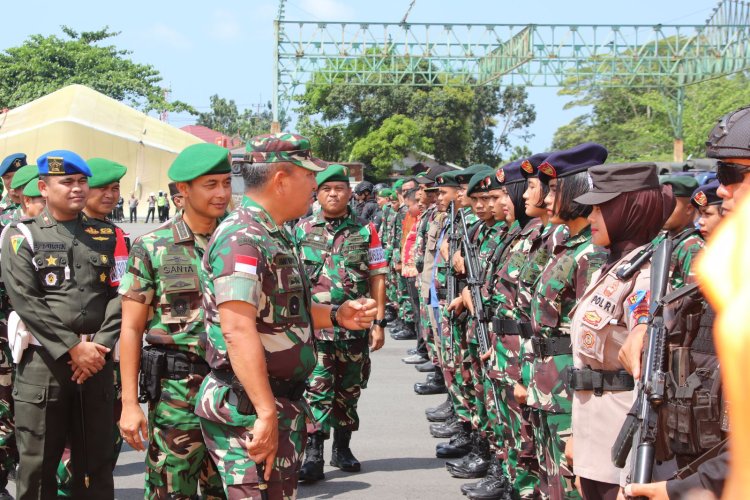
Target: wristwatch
x,y
334,311
382,323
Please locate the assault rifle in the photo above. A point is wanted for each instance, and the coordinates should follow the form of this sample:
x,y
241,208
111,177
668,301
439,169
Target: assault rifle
x,y
451,283
474,282
639,433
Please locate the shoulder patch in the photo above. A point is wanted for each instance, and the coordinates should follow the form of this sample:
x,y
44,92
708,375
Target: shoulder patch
x,y
15,242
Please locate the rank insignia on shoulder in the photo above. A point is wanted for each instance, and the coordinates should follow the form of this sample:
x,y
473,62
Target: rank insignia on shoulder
x,y
91,230
103,277
15,242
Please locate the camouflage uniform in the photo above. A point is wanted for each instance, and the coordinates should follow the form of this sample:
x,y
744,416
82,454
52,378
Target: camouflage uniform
x,y
164,272
420,248
564,278
386,239
253,260
405,309
688,243
340,257
10,215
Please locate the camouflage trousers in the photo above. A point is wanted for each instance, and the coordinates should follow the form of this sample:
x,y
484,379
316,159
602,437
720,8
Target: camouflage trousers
x,y
459,381
551,432
405,307
226,444
521,465
177,460
474,388
8,450
65,469
391,289
334,387
425,327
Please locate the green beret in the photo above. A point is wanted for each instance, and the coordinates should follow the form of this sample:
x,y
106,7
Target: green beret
x,y
24,175
397,185
394,196
480,182
32,188
334,173
200,159
465,175
448,179
104,172
682,185
385,193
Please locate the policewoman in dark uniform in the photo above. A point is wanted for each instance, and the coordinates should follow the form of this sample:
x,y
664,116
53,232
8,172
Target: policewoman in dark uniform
x,y
630,208
57,270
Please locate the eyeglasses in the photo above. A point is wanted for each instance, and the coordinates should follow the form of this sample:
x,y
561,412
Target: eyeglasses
x,y
730,173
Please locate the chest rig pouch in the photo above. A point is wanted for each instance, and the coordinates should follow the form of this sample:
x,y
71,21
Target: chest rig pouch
x,y
181,295
315,252
694,409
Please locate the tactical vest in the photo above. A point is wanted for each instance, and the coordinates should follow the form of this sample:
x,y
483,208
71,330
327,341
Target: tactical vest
x,y
695,414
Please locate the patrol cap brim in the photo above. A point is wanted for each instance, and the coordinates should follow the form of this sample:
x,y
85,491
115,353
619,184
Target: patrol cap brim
x,y
591,198
611,180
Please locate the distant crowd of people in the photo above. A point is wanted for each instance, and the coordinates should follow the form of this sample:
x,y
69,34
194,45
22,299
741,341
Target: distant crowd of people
x,y
158,206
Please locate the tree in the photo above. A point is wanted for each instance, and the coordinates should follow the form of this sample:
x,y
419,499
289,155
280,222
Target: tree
x,y
42,65
226,118
389,143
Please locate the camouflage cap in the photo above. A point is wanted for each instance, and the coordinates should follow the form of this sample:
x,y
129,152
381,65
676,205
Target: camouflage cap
x,y
200,159
104,172
24,175
283,147
32,188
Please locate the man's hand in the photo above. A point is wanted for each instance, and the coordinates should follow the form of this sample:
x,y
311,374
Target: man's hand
x,y
466,294
458,263
631,351
133,426
456,306
265,442
569,451
79,376
377,337
88,358
657,491
445,250
520,393
357,314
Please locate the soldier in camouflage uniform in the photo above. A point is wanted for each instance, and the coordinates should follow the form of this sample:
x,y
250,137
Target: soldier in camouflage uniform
x,y
680,228
104,191
261,355
344,260
57,268
561,282
386,234
162,297
405,329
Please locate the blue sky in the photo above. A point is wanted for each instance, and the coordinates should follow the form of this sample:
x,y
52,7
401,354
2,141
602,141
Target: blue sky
x,y
225,48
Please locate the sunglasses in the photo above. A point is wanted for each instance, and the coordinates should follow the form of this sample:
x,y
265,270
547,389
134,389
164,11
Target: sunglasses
x,y
730,173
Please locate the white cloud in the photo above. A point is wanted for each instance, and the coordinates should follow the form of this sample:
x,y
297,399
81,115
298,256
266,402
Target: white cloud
x,y
328,10
170,36
225,25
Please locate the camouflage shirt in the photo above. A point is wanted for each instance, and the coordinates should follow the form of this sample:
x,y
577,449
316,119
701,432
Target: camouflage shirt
x,y
689,243
562,281
11,215
252,259
397,234
6,203
420,244
340,256
385,229
164,272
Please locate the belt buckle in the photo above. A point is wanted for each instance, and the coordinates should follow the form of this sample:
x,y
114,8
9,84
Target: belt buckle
x,y
597,383
537,347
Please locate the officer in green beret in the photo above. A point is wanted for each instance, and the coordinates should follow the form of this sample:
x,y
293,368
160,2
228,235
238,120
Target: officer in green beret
x,y
104,191
680,228
57,269
33,202
161,295
344,260
21,178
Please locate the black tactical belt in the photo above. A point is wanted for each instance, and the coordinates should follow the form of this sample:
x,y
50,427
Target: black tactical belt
x,y
587,379
504,326
179,365
293,391
551,346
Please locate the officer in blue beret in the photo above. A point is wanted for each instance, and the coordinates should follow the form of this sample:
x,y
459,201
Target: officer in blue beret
x,y
8,168
57,268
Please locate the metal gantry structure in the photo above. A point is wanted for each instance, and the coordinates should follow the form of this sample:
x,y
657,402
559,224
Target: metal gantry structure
x,y
664,57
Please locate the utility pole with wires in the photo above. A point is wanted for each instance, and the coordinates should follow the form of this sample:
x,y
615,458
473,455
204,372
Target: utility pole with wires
x,y
403,21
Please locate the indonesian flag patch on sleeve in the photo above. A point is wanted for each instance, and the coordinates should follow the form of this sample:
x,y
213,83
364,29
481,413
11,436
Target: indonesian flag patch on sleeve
x,y
245,264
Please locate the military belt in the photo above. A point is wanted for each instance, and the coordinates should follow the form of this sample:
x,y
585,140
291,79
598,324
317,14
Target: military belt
x,y
180,365
588,379
288,389
551,346
504,326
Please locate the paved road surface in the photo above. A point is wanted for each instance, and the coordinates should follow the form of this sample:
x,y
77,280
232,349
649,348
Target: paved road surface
x,y
393,444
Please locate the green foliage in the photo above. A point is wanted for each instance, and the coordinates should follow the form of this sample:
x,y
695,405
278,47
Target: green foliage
x,y
44,64
226,118
389,143
461,123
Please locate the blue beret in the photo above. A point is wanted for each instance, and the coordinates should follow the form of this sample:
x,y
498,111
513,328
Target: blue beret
x,y
510,173
706,195
11,163
530,166
572,161
62,162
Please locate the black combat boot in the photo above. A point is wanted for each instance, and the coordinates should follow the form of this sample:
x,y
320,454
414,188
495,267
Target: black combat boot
x,y
435,386
495,486
459,445
446,429
390,313
426,367
494,472
441,415
407,333
475,464
312,469
342,456
442,406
